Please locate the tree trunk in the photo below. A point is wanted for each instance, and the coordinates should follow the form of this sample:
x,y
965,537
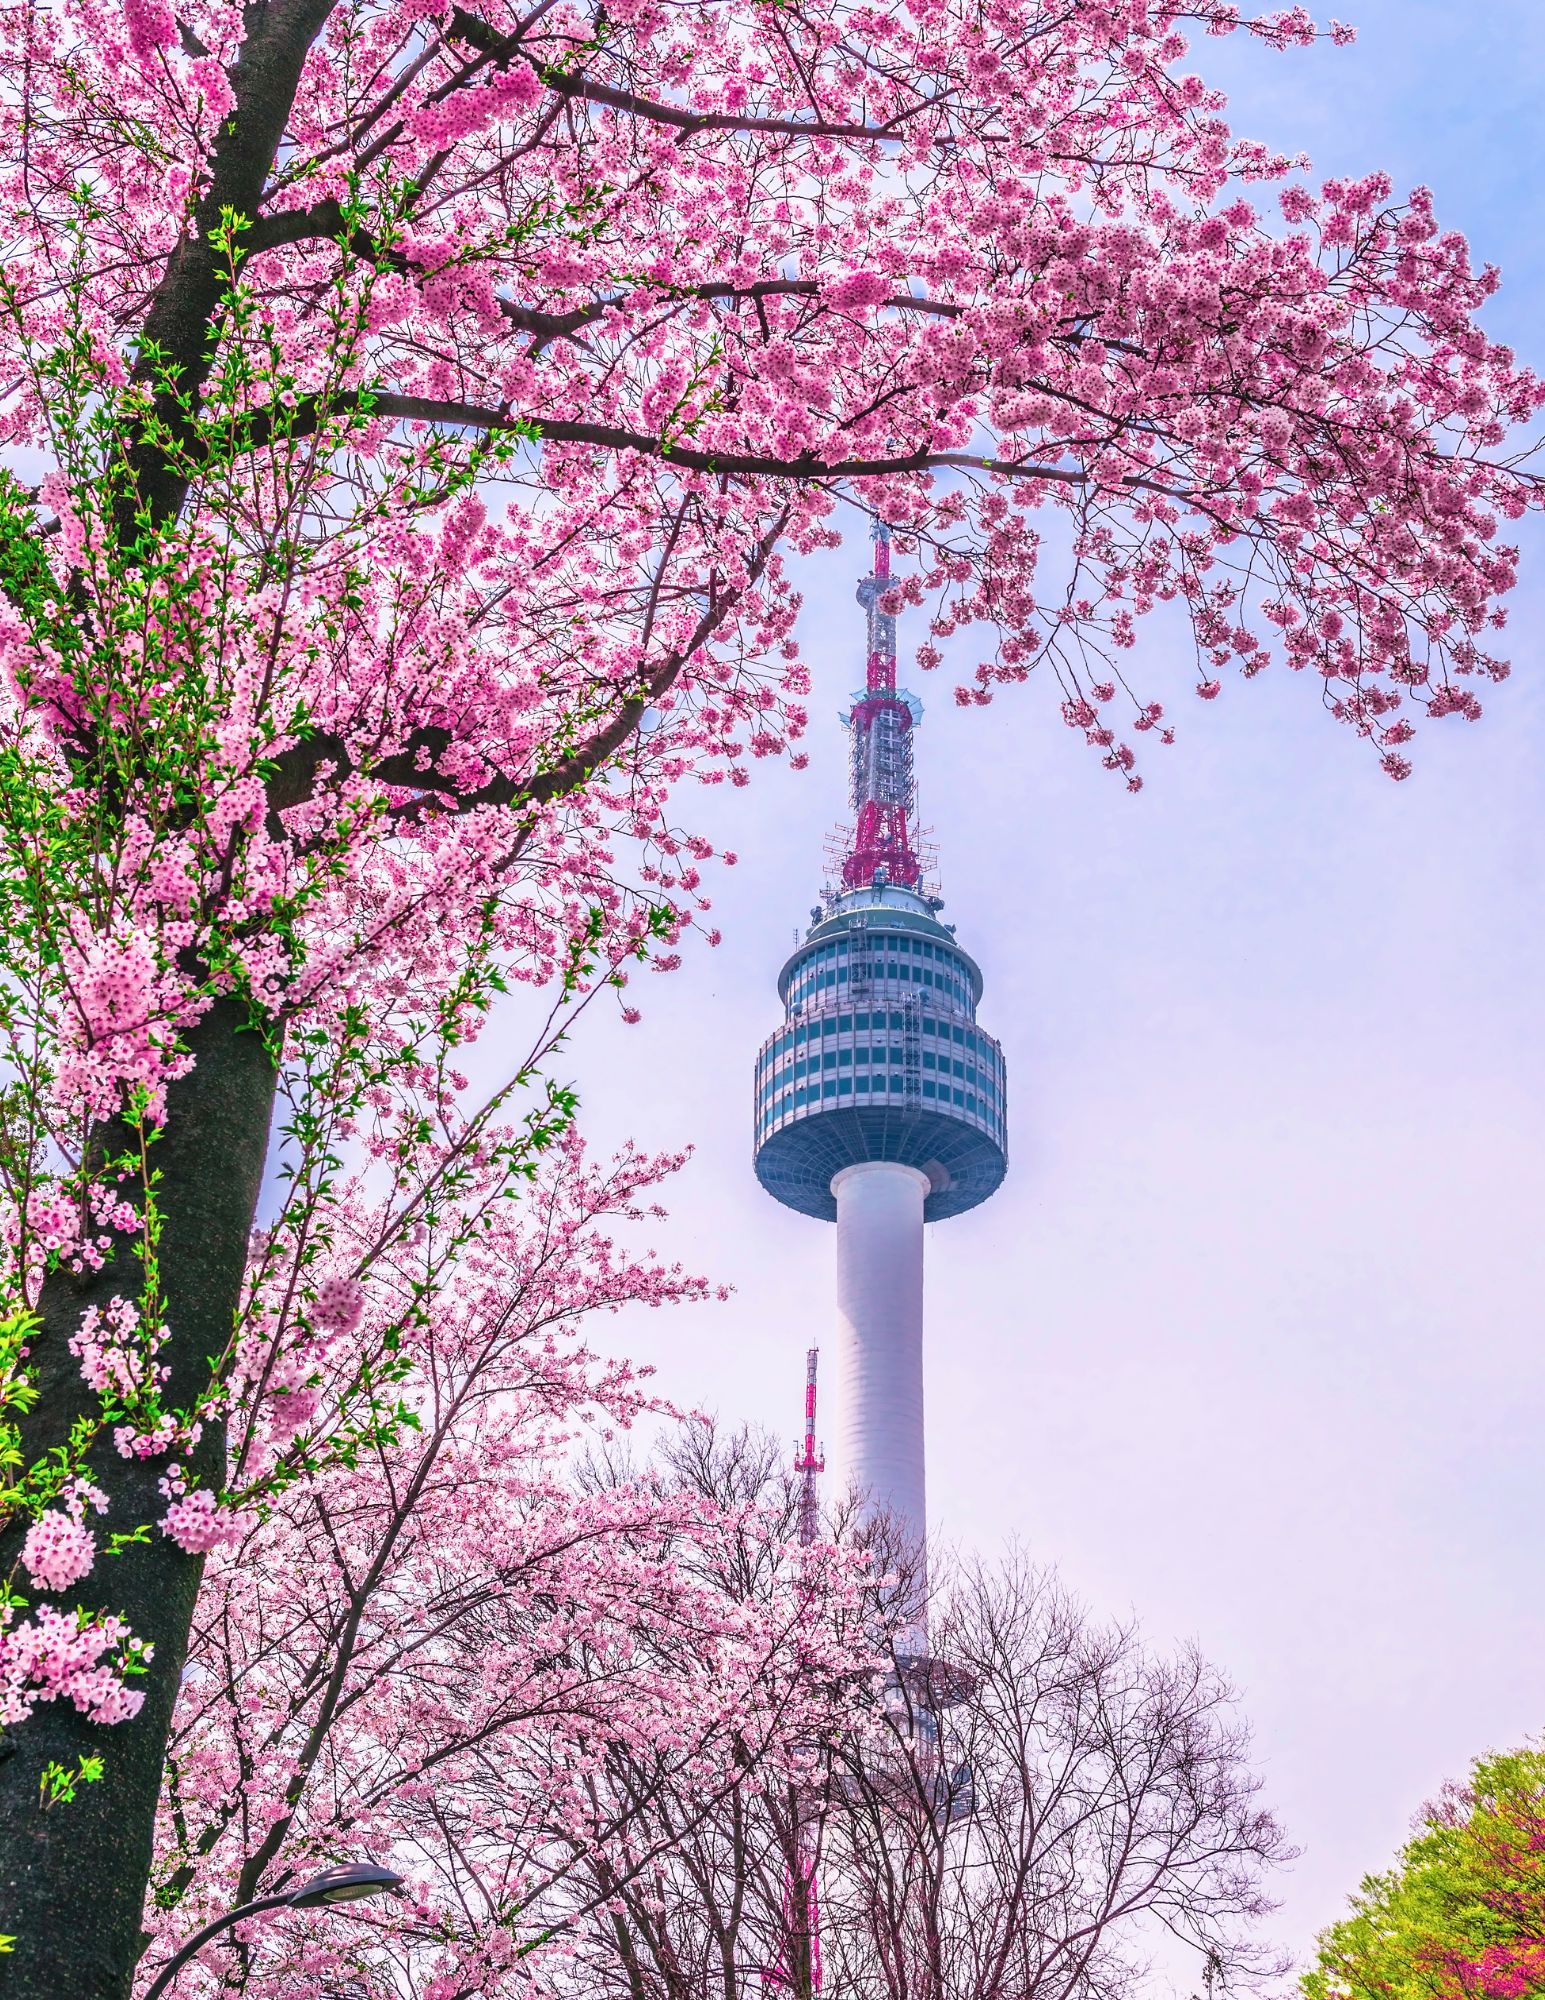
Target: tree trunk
x,y
73,1875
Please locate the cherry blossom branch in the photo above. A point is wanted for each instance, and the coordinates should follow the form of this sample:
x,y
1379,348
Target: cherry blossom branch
x,y
295,770
808,467
325,221
478,34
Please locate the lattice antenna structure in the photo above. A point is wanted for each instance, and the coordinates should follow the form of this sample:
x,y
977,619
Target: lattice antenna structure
x,y
837,845
882,784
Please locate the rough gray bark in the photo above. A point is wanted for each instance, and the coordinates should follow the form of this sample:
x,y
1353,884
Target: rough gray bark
x,y
72,1876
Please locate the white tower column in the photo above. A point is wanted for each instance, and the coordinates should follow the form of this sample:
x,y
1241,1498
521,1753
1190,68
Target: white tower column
x,y
879,1446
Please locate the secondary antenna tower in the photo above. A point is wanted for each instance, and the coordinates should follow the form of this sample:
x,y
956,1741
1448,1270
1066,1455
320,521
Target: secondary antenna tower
x,y
807,1462
801,1898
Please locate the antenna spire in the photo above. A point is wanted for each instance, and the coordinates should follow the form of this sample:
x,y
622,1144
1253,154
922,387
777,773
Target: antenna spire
x,y
807,1463
880,725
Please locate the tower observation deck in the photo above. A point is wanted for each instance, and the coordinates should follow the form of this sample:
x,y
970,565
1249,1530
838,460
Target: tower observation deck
x,y
881,1103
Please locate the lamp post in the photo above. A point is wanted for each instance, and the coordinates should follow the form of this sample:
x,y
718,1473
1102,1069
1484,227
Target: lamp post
x,y
345,1883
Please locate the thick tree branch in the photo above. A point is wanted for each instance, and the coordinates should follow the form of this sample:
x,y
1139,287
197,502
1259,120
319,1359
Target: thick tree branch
x,y
487,40
175,350
582,89
295,771
803,467
323,221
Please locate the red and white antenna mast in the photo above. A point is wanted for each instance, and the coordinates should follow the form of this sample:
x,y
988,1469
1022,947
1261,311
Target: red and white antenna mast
x,y
801,1899
880,725
806,1462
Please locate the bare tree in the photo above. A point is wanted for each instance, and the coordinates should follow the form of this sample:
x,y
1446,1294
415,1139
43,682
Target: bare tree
x,y
1037,1804
1026,1812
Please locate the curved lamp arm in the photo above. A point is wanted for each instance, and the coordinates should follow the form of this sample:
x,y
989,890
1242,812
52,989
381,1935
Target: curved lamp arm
x,y
344,1882
199,1939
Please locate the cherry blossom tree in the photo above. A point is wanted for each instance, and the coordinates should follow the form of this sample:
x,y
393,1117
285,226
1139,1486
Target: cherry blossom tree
x,y
468,1640
713,1916
410,410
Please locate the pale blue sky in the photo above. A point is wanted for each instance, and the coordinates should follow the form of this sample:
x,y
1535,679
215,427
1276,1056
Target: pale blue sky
x,y
1249,1341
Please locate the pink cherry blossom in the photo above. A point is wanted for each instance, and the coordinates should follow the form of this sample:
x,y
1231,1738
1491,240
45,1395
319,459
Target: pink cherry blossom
x,y
54,1655
58,1551
195,1523
340,1303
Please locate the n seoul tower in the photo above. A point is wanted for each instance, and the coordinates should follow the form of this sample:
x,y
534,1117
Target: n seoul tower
x,y
880,1103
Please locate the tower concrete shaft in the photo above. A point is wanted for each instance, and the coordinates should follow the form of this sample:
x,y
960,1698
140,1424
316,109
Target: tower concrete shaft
x,y
879,1345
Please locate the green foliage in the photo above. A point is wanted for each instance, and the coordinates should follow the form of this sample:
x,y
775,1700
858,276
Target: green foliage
x,y
17,1390
59,1783
1463,1912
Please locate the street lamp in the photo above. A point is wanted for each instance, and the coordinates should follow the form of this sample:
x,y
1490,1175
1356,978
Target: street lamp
x,y
345,1883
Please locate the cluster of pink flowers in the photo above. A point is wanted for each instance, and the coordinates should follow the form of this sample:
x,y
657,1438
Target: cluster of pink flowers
x,y
1500,1972
123,1010
196,1522
64,1656
339,1305
58,1551
116,1351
